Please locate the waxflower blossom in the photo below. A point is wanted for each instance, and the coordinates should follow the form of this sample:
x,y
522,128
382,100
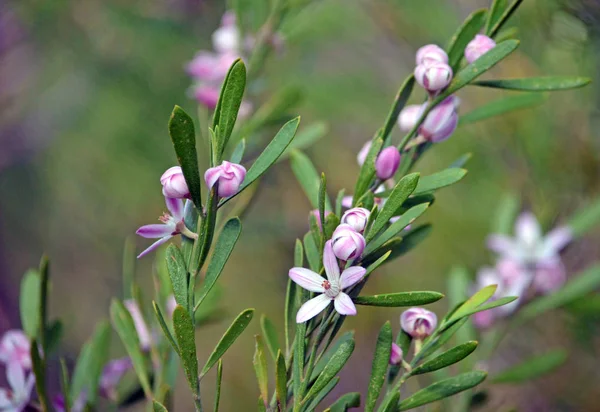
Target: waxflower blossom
x,y
317,216
330,289
433,75
441,121
387,163
362,155
226,38
141,328
431,52
347,243
111,375
418,322
172,225
174,184
409,116
396,355
21,384
356,218
479,46
228,177
15,348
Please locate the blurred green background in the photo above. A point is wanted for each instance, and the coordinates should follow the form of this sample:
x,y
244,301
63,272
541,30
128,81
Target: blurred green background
x,y
86,88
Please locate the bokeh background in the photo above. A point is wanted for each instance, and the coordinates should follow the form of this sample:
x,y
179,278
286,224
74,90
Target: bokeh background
x,y
86,88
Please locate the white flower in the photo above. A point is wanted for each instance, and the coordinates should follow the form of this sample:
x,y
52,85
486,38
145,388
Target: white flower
x,y
17,397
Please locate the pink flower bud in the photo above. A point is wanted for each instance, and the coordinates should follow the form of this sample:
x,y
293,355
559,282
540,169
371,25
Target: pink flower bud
x,y
141,327
396,355
347,242
479,46
362,155
228,177
207,95
317,216
15,347
387,163
418,322
174,184
433,75
409,116
441,121
431,52
357,218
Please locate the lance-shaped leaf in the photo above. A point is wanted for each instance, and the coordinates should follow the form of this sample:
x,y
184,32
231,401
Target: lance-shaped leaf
x,y
450,357
393,300
280,382
345,338
377,263
270,335
312,252
158,407
29,302
238,152
399,194
178,274
183,136
307,176
532,368
163,325
186,341
223,248
536,84
305,138
367,170
312,406
277,107
219,380
64,384
390,404
473,302
461,161
394,229
80,373
499,21
381,360
502,106
235,330
335,364
43,308
123,324
459,283
400,246
228,106
585,219
438,180
505,215
345,402
100,345
260,367
496,10
399,102
443,389
38,367
440,338
465,33
298,363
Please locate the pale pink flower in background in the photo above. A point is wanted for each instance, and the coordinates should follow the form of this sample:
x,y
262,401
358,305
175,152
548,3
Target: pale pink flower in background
x,y
227,38
317,215
210,68
78,405
141,327
174,184
396,355
479,46
111,375
409,116
228,177
207,95
357,218
364,151
431,52
549,276
433,75
387,163
15,348
16,398
347,243
418,322
441,121
330,289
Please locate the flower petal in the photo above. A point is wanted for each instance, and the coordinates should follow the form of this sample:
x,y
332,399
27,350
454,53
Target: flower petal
x,y
307,279
501,244
155,231
5,401
347,201
352,276
556,239
211,176
154,246
528,229
344,305
15,375
175,206
312,308
330,263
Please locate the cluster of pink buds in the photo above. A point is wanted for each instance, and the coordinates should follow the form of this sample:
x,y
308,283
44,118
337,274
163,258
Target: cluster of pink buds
x,y
432,71
16,358
439,124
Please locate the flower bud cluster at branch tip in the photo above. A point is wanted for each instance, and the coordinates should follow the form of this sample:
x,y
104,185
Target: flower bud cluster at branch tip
x,y
387,163
479,46
418,322
228,177
347,243
432,71
439,124
16,358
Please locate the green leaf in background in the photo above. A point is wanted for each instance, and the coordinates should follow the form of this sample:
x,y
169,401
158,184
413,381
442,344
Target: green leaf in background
x,y
532,368
399,102
219,381
443,389
260,367
399,194
506,214
575,288
332,368
432,345
39,370
450,357
280,382
461,161
123,324
312,252
29,302
158,407
307,176
585,219
270,333
493,304
381,360
438,180
459,283
393,300
80,373
502,106
298,362
345,402
332,221
367,170
228,106
306,137
500,21
64,384
183,136
222,250
312,406
496,10
163,325
394,229
277,107
235,330
536,84
186,341
377,263
238,152
465,33
178,274
100,346
390,404
473,302
343,339
43,302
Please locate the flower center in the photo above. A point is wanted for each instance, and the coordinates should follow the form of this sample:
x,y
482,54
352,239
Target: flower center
x,y
331,290
166,218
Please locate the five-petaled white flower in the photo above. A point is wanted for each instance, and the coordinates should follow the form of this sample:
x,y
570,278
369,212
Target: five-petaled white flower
x,y
330,288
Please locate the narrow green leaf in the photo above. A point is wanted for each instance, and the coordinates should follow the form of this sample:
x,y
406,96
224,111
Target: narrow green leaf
x,y
178,274
532,368
222,250
270,333
186,341
399,194
123,324
100,345
277,107
506,214
322,198
394,229
312,406
298,362
496,10
536,84
54,333
381,360
298,254
585,219
399,299
345,338
450,357
80,374
335,364
29,302
260,367
443,389
183,136
306,137
465,33
312,252
219,380
377,263
338,202
367,170
332,221
64,384
400,246
262,405
158,407
500,21
459,282
438,180
461,161
345,402
280,382
473,302
399,102
502,106
235,330
238,152
39,370
307,176
163,325
43,301
493,304
440,339
391,403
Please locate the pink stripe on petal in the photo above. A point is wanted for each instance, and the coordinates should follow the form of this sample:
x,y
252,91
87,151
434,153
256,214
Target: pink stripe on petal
x,y
307,279
175,206
227,187
330,263
312,308
211,176
155,231
344,305
352,276
154,246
